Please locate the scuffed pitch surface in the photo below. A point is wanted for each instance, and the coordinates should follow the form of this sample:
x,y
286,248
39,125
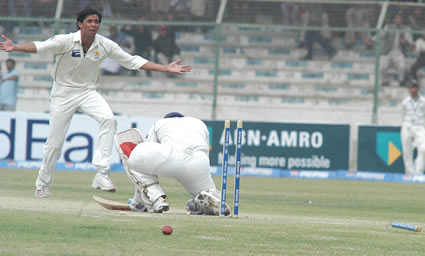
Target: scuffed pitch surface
x,y
278,217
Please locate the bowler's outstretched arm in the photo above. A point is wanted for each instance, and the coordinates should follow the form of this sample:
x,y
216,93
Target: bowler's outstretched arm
x,y
9,46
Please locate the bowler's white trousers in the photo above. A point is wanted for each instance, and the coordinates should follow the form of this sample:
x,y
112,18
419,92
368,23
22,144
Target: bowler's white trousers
x,y
190,168
413,136
65,101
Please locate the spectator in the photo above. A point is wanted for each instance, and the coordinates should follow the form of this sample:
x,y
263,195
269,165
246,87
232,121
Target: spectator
x,y
303,21
118,37
416,21
171,30
296,15
290,13
159,7
180,8
110,66
357,16
9,87
165,46
198,10
420,61
315,17
143,43
413,130
394,49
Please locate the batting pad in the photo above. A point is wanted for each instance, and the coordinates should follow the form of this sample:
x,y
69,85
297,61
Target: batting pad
x,y
127,148
125,142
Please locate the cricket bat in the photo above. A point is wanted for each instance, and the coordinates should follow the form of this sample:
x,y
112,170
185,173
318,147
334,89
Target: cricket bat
x,y
111,205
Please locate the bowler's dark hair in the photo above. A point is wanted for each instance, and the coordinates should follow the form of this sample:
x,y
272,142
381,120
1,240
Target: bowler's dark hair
x,y
82,15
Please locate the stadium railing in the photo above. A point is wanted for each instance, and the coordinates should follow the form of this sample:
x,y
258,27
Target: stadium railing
x,y
246,52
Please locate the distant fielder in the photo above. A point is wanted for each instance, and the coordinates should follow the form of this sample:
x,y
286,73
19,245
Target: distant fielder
x,y
413,130
178,147
75,75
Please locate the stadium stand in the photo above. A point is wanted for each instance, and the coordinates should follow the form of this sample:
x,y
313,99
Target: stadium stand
x,y
261,77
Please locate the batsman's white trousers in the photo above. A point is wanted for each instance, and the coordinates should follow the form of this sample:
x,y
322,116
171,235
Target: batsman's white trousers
x,y
65,101
190,168
411,137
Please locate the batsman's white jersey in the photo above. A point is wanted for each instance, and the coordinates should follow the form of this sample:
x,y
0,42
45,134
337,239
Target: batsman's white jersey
x,y
177,148
75,75
413,134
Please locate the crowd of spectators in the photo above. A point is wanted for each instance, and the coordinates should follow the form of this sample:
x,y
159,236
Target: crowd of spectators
x,y
182,10
355,17
402,34
159,46
143,44
25,8
110,66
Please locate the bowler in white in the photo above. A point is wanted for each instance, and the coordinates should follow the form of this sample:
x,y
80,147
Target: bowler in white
x,y
75,76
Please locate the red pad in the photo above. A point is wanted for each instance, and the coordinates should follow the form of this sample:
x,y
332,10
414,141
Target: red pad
x,y
127,147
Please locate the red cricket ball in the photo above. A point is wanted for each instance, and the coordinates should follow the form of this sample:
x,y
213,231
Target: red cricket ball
x,y
167,230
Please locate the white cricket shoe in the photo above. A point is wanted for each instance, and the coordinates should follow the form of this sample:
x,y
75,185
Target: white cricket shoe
x,y
209,202
42,191
103,182
136,206
160,205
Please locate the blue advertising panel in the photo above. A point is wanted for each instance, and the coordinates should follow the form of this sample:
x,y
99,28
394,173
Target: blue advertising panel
x,y
22,137
286,146
379,149
268,149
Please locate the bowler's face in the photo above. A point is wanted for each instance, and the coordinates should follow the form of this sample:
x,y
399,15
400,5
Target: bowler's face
x,y
90,25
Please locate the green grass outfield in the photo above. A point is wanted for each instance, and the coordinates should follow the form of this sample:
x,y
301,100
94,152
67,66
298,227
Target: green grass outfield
x,y
277,217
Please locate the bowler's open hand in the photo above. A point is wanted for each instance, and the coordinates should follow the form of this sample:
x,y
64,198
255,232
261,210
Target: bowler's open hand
x,y
7,45
174,67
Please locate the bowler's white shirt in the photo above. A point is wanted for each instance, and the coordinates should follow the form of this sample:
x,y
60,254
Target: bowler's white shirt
x,y
413,111
183,132
73,68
